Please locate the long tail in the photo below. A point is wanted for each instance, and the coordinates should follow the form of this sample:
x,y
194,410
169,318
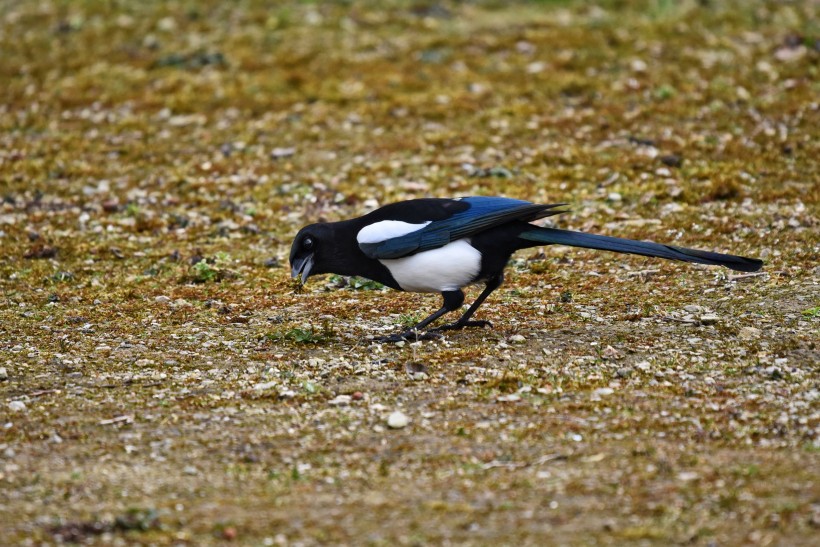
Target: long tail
x,y
646,248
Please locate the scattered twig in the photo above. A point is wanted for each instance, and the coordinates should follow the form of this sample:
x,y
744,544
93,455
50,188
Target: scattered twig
x,y
44,392
679,320
125,383
746,276
643,274
549,458
517,465
508,465
127,418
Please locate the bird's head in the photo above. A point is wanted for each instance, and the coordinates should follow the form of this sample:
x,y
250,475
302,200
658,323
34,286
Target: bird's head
x,y
308,250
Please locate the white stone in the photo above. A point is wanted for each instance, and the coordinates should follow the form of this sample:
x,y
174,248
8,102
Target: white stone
x,y
638,65
17,406
397,420
340,400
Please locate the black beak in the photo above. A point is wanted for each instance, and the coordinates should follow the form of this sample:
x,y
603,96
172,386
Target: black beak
x,y
302,266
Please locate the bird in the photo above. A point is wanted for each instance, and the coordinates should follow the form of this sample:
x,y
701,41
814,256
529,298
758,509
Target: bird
x,y
441,245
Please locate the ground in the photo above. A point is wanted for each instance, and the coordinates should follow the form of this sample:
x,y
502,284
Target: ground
x,y
164,381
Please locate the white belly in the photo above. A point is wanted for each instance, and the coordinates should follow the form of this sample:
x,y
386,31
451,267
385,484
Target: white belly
x,y
444,269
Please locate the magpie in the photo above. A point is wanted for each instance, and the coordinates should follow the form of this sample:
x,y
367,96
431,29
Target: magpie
x,y
442,245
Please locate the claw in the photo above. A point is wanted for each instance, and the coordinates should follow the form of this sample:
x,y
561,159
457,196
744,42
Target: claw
x,y
408,336
431,334
467,324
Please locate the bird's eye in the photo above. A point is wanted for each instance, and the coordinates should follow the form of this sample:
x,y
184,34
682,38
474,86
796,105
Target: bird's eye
x,y
307,243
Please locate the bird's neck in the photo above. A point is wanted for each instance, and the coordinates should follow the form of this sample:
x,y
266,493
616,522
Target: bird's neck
x,y
348,258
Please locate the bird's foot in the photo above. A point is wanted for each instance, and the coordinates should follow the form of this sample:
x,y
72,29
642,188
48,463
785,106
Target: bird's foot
x,y
413,335
408,336
466,324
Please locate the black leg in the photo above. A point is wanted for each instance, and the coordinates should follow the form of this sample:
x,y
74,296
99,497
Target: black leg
x,y
452,301
464,320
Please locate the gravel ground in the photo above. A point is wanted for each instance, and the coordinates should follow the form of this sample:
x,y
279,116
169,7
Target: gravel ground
x,y
164,381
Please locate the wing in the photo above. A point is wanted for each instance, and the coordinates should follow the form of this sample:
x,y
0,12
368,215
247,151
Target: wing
x,y
414,226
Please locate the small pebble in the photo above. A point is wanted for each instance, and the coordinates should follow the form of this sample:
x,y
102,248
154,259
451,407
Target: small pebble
x,y
611,353
413,368
749,333
4,374
517,338
638,65
511,398
614,197
603,391
17,406
287,394
340,400
161,299
397,420
672,160
110,205
623,372
709,319
686,476
282,152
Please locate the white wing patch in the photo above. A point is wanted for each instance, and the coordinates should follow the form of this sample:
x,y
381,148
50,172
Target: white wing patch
x,y
387,229
444,269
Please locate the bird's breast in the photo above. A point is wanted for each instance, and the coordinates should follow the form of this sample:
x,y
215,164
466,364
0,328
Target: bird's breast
x,y
447,268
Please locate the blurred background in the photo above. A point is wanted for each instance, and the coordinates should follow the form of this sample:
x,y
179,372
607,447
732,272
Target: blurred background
x,y
263,113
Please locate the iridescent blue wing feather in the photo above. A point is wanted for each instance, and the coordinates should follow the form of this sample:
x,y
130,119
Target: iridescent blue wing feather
x,y
471,216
